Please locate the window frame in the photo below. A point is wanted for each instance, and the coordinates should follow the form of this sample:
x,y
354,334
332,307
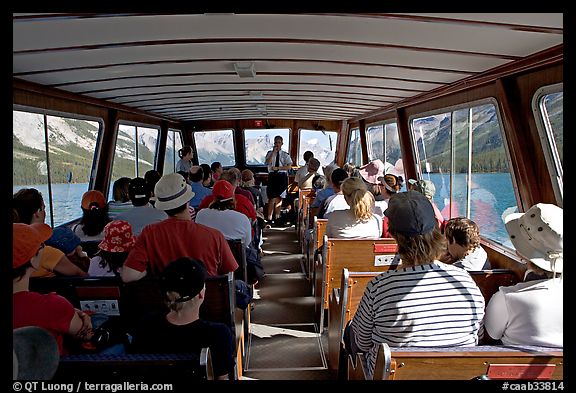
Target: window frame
x,y
175,130
97,153
550,150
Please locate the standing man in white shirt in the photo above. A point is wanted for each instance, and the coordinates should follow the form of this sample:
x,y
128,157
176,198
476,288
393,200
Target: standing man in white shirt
x,y
278,162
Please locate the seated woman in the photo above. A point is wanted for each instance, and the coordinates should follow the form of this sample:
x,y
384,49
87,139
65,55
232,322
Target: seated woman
x,y
358,221
113,249
464,249
65,240
531,312
182,329
423,303
121,202
94,216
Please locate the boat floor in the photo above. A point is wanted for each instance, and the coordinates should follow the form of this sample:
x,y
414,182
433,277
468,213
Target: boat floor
x,y
284,343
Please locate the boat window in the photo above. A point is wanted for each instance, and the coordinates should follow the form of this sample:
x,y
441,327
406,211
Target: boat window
x,y
134,144
258,141
173,144
61,172
215,145
354,153
320,142
548,108
462,152
383,143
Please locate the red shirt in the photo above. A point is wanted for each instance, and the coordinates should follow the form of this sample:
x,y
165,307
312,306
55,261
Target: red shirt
x,y
49,311
246,193
163,242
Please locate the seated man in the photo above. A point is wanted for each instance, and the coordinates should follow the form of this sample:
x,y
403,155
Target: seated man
x,y
464,249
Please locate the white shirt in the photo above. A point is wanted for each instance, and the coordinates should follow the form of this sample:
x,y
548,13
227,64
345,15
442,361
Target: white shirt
x,y
528,313
334,203
232,224
303,171
285,159
476,260
95,270
343,224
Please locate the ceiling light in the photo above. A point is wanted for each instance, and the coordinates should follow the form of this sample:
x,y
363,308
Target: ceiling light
x,y
245,70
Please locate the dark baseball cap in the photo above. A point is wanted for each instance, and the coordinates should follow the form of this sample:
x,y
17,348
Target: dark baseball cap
x,y
185,276
138,189
410,213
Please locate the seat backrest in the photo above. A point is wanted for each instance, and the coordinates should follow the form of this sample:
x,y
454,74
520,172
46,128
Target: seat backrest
x,y
463,363
238,249
191,366
489,281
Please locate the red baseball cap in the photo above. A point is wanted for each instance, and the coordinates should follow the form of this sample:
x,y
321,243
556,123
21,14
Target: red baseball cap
x,y
93,198
223,190
27,240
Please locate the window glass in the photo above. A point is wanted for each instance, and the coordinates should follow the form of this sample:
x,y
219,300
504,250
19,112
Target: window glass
x,y
554,110
354,154
257,142
133,144
549,113
321,143
173,144
71,152
384,144
213,146
462,153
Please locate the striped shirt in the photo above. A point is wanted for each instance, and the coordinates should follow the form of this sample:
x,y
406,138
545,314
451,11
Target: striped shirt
x,y
433,305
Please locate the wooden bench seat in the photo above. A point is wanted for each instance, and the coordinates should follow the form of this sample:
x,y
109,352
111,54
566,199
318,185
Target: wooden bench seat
x,y
462,363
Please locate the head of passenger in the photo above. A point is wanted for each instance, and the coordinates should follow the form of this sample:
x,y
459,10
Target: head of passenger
x,y
223,193
120,190
337,177
462,235
413,225
231,175
349,168
185,175
207,179
64,239
94,213
139,192
151,177
29,206
358,198
186,153
196,174
318,182
247,178
313,165
117,243
183,284
391,183
307,156
173,194
537,236
372,171
27,245
217,170
425,187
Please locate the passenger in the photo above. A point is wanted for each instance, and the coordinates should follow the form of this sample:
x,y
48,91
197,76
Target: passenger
x,y
121,202
234,176
176,237
151,177
185,162
392,185
327,191
216,168
337,200
247,183
278,162
29,208
142,213
313,168
371,174
49,311
428,188
185,175
304,169
200,192
318,183
350,169
207,179
358,221
423,303
234,225
182,330
113,249
64,239
94,217
531,312
463,248
191,210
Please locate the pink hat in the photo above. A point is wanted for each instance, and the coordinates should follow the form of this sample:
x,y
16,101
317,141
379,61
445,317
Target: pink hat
x,y
372,171
117,237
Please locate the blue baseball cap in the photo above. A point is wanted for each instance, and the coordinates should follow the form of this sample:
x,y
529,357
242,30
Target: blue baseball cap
x,y
64,239
410,213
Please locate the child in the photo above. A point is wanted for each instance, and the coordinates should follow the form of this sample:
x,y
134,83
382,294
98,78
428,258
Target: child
x,y
464,249
114,248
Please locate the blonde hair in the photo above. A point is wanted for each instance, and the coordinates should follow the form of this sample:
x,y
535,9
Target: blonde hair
x,y
360,200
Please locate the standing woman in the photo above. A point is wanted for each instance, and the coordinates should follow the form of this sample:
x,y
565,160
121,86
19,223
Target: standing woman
x,y
185,161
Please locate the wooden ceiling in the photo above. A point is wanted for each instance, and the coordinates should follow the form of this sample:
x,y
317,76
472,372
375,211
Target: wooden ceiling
x,y
307,66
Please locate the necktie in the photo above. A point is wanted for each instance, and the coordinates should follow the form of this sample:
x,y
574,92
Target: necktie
x,y
277,164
